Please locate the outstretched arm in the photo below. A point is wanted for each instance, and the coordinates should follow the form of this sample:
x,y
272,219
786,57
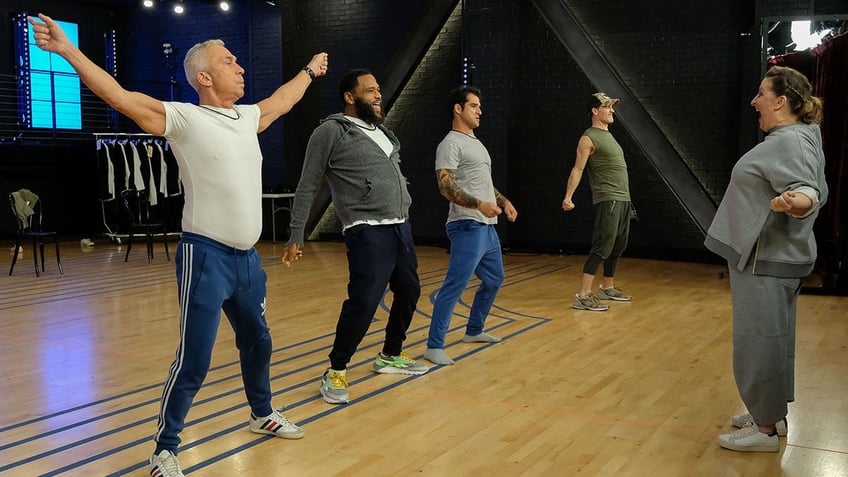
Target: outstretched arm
x,y
452,192
585,148
147,112
287,95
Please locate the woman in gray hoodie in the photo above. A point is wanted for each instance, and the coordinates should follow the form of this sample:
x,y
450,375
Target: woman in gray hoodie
x,y
764,229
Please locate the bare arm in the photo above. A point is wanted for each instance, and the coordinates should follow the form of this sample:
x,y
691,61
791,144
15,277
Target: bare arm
x,y
287,95
506,205
147,112
585,148
452,192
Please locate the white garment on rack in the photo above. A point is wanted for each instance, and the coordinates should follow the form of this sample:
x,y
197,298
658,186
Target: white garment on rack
x,y
121,144
110,169
163,171
152,195
138,179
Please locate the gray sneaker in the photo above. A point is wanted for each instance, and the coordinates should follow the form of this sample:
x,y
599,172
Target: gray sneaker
x,y
438,356
483,337
613,293
589,302
745,420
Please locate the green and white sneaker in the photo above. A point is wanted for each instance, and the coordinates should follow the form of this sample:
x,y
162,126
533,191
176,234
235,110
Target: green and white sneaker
x,y
401,364
334,386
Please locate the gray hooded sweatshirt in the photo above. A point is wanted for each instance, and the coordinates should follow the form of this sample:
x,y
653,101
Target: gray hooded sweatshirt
x,y
365,184
745,229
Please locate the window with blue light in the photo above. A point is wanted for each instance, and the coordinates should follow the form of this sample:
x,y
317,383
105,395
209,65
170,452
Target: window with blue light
x,y
49,86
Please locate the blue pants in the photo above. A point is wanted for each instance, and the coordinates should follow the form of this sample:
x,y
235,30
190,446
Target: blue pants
x,y
377,255
210,277
475,248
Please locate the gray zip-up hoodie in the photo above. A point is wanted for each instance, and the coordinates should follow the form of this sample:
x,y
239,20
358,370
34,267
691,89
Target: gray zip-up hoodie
x,y
365,184
745,228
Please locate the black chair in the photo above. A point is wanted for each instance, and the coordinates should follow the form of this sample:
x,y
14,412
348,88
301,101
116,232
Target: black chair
x,y
142,220
28,212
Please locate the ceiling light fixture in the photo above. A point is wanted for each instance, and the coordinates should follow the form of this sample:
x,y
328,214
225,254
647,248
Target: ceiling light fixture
x,y
224,6
147,3
179,9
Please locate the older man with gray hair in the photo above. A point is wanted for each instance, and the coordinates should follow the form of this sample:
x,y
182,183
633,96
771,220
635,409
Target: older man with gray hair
x,y
217,149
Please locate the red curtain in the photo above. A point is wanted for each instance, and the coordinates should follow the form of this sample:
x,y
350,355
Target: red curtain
x,y
827,68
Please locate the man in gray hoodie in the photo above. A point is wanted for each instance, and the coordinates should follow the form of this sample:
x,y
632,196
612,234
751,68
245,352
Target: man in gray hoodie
x,y
360,160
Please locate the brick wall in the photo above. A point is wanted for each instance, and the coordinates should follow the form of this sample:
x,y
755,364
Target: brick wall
x,y
420,117
356,34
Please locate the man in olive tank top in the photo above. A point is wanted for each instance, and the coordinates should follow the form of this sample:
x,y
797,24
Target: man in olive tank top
x,y
600,154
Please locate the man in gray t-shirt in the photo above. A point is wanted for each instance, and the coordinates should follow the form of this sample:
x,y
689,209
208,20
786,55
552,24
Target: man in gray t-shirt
x,y
464,172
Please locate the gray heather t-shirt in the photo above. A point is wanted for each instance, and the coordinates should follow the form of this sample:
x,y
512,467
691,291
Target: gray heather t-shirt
x,y
469,158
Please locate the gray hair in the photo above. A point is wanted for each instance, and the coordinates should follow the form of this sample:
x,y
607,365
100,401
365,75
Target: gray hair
x,y
196,60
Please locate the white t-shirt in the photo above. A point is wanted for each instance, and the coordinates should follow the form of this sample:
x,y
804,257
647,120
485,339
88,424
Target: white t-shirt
x,y
376,134
220,163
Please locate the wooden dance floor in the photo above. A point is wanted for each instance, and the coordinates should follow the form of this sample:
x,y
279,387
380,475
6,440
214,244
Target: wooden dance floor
x,y
642,389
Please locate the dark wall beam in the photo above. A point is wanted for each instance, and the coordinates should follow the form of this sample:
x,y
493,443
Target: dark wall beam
x,y
633,115
409,54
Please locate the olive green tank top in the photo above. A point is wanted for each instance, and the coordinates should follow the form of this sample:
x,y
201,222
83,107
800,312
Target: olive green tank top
x,y
606,167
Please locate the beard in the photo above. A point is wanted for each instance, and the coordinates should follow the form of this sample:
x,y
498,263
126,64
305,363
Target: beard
x,y
365,112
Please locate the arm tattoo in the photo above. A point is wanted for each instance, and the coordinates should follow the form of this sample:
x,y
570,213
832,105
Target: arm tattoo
x,y
500,199
452,192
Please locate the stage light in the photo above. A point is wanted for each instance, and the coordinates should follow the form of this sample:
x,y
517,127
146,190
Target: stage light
x,y
179,9
224,6
147,3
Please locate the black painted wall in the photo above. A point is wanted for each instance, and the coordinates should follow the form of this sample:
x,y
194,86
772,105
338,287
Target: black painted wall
x,y
694,66
62,174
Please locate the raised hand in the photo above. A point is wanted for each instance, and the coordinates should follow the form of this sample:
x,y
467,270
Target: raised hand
x,y
319,64
48,34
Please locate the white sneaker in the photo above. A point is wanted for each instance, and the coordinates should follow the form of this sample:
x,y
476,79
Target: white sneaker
x,y
749,439
275,424
745,420
165,464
